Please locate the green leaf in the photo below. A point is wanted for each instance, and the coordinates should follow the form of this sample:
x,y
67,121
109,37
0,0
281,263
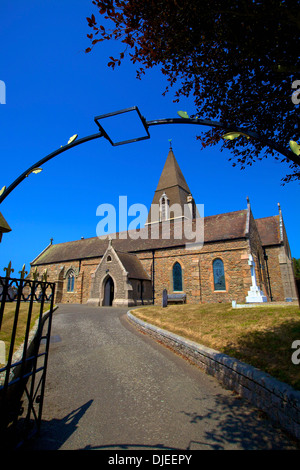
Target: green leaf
x,y
71,139
183,114
230,135
295,147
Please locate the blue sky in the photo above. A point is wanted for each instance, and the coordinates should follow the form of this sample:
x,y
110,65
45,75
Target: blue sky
x,y
54,90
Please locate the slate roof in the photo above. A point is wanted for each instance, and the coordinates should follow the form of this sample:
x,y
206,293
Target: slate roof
x,y
228,226
4,227
171,182
133,266
172,175
269,230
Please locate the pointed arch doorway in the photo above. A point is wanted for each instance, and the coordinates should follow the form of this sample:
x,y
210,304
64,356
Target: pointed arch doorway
x,y
109,290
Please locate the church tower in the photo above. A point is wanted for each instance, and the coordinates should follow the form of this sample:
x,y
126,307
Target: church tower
x,y
172,198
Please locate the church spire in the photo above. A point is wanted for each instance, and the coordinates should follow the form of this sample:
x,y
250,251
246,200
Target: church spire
x,y
172,175
172,187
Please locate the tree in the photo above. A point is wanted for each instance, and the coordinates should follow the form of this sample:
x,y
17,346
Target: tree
x,y
239,60
296,264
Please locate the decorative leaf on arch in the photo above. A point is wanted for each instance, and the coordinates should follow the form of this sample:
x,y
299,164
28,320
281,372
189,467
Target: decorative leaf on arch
x,y
237,60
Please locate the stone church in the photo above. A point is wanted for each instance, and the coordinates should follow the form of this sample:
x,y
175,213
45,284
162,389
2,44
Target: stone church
x,y
240,258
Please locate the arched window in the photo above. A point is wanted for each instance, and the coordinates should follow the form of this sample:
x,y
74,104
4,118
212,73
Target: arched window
x,y
71,281
164,207
219,276
177,277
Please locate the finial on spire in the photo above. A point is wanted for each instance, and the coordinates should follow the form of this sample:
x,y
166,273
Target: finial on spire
x,y
170,140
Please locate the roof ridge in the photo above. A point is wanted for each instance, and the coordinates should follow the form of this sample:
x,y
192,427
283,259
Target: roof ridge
x,y
267,217
225,213
125,253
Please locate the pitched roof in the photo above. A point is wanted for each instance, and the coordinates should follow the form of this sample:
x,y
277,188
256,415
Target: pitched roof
x,y
133,266
171,182
171,175
228,226
4,227
269,230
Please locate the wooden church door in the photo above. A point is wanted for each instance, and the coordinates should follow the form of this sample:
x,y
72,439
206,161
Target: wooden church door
x,y
109,292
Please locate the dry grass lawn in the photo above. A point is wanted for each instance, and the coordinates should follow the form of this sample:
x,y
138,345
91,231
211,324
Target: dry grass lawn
x,y
260,336
8,320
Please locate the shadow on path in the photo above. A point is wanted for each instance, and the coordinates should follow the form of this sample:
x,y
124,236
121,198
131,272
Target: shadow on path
x,y
230,424
56,432
227,425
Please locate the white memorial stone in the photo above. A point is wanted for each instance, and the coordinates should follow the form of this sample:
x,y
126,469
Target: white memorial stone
x,y
254,294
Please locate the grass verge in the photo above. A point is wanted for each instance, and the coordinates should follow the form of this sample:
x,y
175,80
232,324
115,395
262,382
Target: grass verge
x,y
260,336
8,320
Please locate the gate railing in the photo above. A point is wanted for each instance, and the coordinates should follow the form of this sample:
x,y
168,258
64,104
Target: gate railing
x,y
26,308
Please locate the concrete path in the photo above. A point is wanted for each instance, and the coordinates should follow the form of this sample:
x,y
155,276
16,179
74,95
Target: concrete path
x,y
111,387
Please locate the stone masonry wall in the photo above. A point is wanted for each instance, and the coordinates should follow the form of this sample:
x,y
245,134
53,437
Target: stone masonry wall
x,y
88,267
258,257
286,267
197,271
110,266
275,273
56,273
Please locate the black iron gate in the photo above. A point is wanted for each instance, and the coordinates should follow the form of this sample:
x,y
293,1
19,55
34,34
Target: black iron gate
x,y
26,308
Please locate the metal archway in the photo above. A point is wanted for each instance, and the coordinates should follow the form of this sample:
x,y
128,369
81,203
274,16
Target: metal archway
x,y
146,125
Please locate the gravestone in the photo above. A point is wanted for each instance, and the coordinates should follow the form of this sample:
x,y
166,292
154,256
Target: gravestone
x,y
165,298
254,294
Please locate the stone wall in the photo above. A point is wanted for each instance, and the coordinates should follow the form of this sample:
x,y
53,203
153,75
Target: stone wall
x,y
141,293
286,268
282,277
110,266
274,271
287,275
197,271
57,273
278,400
88,268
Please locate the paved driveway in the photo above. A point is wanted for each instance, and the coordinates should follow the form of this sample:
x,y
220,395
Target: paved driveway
x,y
111,387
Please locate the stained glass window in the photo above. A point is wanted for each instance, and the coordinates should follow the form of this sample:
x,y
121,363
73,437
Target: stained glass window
x,y
219,276
177,277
